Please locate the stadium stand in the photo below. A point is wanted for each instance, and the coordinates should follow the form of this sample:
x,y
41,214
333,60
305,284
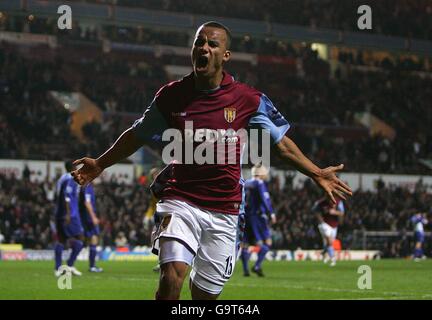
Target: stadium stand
x,y
341,15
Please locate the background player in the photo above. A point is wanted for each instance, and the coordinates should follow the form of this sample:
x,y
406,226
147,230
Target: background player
x,y
419,220
68,223
201,202
258,210
149,216
328,215
151,209
90,223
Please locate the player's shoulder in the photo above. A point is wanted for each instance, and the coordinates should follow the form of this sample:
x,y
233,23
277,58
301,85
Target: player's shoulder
x,y
254,182
71,182
248,91
259,99
250,183
174,88
66,178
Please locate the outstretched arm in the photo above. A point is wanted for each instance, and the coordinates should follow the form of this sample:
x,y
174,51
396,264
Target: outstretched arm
x,y
90,210
126,144
324,178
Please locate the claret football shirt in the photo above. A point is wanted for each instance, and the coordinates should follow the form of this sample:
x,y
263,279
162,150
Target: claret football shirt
x,y
212,116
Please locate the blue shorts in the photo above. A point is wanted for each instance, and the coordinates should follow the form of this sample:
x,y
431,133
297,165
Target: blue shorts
x,y
90,229
257,229
73,229
419,236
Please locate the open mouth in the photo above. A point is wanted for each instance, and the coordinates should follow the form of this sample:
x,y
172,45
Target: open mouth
x,y
201,62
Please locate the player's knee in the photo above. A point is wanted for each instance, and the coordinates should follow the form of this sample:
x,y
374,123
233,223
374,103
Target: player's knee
x,y
171,279
198,294
173,272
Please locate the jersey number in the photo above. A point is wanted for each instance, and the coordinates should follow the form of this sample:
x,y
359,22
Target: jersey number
x,y
228,267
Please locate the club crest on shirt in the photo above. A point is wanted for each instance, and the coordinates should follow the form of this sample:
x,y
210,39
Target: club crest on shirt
x,y
230,114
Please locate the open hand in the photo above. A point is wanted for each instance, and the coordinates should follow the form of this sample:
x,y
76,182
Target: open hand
x,y
88,172
332,185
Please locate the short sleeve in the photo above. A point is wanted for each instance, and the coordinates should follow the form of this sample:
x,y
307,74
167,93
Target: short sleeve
x,y
151,125
269,118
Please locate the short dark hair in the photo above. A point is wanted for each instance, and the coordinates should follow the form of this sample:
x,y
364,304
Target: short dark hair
x,y
68,165
219,25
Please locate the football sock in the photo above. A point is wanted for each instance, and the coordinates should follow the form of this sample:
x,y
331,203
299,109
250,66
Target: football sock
x,y
92,255
77,245
245,255
261,256
58,251
330,251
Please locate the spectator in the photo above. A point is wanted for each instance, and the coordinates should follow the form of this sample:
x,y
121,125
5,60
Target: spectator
x,y
121,240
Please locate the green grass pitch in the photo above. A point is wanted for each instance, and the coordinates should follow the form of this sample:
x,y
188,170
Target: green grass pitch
x,y
391,279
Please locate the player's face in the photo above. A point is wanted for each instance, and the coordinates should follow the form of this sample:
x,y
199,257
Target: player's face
x,y
209,51
264,177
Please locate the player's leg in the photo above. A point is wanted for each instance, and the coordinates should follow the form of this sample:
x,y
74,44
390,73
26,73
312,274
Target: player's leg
x,y
58,254
325,240
215,260
76,244
92,235
156,222
172,275
263,252
59,247
198,294
93,242
330,250
245,256
418,252
174,259
262,234
75,233
175,241
247,237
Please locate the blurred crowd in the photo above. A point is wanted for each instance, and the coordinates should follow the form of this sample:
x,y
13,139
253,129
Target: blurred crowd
x,y
405,18
26,214
311,96
144,35
388,208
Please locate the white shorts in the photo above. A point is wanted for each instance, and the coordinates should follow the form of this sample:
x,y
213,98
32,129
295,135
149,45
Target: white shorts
x,y
327,231
211,237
